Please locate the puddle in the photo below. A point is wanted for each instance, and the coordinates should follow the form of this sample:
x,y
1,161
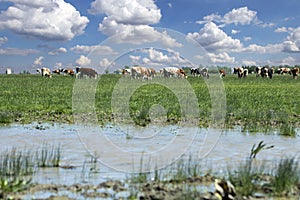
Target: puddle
x,y
120,149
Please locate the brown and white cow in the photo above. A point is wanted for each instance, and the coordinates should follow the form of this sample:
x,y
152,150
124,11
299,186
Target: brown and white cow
x,y
284,70
295,72
69,72
138,72
152,72
82,72
222,73
169,72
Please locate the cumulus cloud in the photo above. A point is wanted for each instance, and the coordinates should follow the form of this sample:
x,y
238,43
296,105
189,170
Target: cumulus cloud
x,y
249,63
131,19
105,63
38,61
83,61
212,38
221,58
43,19
57,51
95,49
162,58
242,16
3,40
281,30
292,41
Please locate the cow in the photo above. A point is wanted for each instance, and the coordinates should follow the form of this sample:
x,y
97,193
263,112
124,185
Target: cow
x,y
82,72
197,71
69,72
169,72
126,71
222,73
264,72
295,72
284,70
138,72
241,72
152,72
45,72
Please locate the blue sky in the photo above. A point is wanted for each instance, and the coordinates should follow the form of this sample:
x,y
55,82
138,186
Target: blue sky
x,y
114,33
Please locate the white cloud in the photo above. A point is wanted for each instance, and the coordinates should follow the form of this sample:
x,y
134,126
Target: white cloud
x,y
83,61
157,57
247,38
233,31
3,40
135,59
131,19
270,48
212,38
281,30
241,16
292,41
288,61
170,5
105,63
18,52
38,61
43,19
95,49
249,63
58,51
221,58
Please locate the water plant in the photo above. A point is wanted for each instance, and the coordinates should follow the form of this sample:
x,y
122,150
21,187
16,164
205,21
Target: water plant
x,y
286,176
256,149
16,170
48,156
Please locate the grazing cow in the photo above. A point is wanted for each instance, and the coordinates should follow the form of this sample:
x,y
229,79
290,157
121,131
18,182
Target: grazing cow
x,y
46,72
140,72
126,71
69,72
197,71
169,72
152,72
265,72
82,72
284,70
241,72
295,72
222,73
56,71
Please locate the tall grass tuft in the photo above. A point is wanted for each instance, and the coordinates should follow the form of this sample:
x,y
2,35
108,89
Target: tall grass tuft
x,y
48,156
286,175
16,170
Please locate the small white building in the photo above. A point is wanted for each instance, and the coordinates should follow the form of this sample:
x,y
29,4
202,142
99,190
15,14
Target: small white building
x,y
8,71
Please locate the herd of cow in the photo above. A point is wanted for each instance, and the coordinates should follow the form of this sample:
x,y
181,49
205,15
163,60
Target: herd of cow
x,y
78,72
267,72
139,72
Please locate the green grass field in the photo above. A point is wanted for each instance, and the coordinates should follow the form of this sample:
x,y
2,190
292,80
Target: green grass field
x,y
256,104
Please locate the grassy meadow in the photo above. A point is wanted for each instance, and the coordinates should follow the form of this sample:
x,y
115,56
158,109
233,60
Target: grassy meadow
x,y
256,104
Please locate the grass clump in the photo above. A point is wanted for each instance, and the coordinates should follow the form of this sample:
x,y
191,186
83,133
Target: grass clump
x,y
48,156
286,176
16,170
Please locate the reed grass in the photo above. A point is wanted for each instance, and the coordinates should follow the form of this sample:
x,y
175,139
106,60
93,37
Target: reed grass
x,y
48,156
286,176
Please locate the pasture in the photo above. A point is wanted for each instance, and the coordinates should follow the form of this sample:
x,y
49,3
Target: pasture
x,y
255,104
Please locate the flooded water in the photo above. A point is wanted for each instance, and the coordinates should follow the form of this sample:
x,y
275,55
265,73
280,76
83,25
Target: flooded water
x,y
121,150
